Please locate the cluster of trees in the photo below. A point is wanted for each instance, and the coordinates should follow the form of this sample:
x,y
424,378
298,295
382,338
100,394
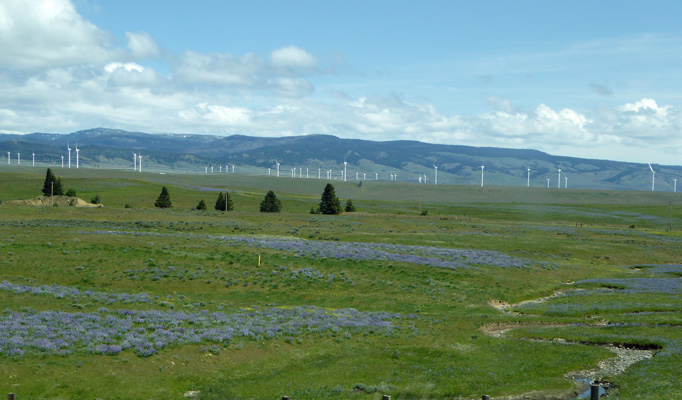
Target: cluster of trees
x,y
52,186
329,203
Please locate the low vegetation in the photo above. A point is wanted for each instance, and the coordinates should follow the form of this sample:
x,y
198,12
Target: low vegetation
x,y
176,304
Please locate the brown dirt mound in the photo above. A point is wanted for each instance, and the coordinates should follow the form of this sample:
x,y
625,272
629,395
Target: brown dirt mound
x,y
45,201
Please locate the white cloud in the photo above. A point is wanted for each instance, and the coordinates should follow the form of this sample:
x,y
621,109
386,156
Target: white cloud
x,y
48,33
292,56
142,45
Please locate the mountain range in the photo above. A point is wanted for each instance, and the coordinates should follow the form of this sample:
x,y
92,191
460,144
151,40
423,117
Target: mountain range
x,y
317,154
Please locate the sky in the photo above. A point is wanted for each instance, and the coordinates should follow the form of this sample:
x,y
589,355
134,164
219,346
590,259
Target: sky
x,y
592,79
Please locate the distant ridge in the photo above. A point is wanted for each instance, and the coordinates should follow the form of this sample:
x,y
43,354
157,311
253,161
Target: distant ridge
x,y
408,160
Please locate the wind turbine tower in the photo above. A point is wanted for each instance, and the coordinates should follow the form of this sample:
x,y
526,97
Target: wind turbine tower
x,y
18,158
653,178
674,185
77,155
566,182
277,168
8,158
482,168
62,161
134,161
528,183
547,183
344,170
34,159
69,148
140,162
435,178
559,182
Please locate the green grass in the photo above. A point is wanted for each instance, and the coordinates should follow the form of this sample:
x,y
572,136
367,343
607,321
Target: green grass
x,y
441,354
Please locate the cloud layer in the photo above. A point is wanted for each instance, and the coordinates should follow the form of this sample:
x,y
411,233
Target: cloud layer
x,y
60,73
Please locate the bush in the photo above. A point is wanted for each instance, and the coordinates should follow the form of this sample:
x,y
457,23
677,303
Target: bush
x,y
271,203
202,205
71,192
127,206
95,200
163,201
349,206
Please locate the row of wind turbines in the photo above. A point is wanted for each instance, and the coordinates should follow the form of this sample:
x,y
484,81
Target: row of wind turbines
x,y
68,148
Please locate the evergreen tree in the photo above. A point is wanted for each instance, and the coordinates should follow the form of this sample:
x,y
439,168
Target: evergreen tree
x,y
329,203
349,206
201,205
163,201
224,201
58,190
50,179
271,203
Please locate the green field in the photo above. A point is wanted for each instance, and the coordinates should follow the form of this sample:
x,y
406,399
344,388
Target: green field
x,y
137,302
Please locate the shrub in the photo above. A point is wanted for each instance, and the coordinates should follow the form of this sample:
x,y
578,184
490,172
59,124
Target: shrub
x,y
349,206
201,205
71,192
95,200
127,205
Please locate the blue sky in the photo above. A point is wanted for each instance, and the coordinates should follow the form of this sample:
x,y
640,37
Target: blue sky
x,y
580,78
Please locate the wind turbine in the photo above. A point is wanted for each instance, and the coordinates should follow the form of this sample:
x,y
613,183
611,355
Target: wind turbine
x,y
211,168
306,173
220,168
653,178
233,169
356,175
18,158
77,155
62,161
364,176
566,182
559,182
674,185
8,158
344,170
376,176
547,183
277,168
528,184
140,160
435,180
482,168
134,161
34,159
319,173
206,169
69,148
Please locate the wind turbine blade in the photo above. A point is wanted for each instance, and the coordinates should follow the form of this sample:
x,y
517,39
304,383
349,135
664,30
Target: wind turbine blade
x,y
652,170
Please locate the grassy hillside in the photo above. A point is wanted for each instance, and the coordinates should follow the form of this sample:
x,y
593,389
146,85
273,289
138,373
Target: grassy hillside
x,y
177,303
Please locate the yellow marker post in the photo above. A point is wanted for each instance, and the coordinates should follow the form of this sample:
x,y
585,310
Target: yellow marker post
x,y
259,260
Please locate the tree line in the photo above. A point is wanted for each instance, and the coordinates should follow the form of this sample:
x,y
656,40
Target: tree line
x,y
329,202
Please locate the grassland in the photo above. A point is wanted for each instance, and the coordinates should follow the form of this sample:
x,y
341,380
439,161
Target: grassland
x,y
382,301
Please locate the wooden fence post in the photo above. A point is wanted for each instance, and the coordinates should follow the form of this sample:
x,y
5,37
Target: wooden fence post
x,y
11,396
594,392
486,397
285,397
385,397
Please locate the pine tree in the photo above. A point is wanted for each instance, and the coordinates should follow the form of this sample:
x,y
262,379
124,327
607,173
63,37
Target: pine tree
x,y
329,203
349,206
58,189
201,205
220,202
49,181
271,203
224,201
163,201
